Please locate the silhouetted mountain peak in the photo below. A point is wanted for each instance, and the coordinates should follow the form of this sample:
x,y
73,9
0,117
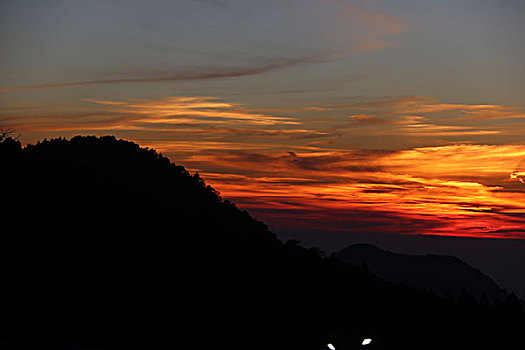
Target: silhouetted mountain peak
x,y
436,272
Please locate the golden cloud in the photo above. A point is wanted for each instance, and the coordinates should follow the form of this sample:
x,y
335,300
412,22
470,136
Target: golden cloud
x,y
454,190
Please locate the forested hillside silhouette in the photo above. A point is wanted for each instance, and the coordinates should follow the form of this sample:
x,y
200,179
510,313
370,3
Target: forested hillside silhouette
x,y
107,245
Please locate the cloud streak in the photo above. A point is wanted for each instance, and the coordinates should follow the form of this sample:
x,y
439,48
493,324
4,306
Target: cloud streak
x,y
188,75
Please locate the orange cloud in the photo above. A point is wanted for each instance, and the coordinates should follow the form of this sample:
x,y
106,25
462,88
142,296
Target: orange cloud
x,y
422,105
452,190
200,110
423,120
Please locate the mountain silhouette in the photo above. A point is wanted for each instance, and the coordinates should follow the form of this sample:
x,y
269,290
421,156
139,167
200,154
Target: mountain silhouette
x,y
107,245
440,273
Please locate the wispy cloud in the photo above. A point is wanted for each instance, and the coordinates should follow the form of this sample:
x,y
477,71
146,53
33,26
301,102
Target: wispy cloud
x,y
414,105
200,73
425,118
193,110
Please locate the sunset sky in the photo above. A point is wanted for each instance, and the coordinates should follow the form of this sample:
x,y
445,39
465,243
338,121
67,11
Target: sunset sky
x,y
391,117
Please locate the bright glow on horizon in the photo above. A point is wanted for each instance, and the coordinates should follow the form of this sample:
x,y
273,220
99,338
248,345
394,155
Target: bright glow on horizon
x,y
461,190
518,175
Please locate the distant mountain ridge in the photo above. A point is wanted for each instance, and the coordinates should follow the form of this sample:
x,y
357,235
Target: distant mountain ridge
x,y
436,272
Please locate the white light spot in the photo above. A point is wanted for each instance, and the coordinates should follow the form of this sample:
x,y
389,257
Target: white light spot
x,y
331,347
366,341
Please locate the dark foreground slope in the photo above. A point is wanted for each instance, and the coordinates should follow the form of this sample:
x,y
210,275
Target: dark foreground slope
x,y
108,245
439,273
